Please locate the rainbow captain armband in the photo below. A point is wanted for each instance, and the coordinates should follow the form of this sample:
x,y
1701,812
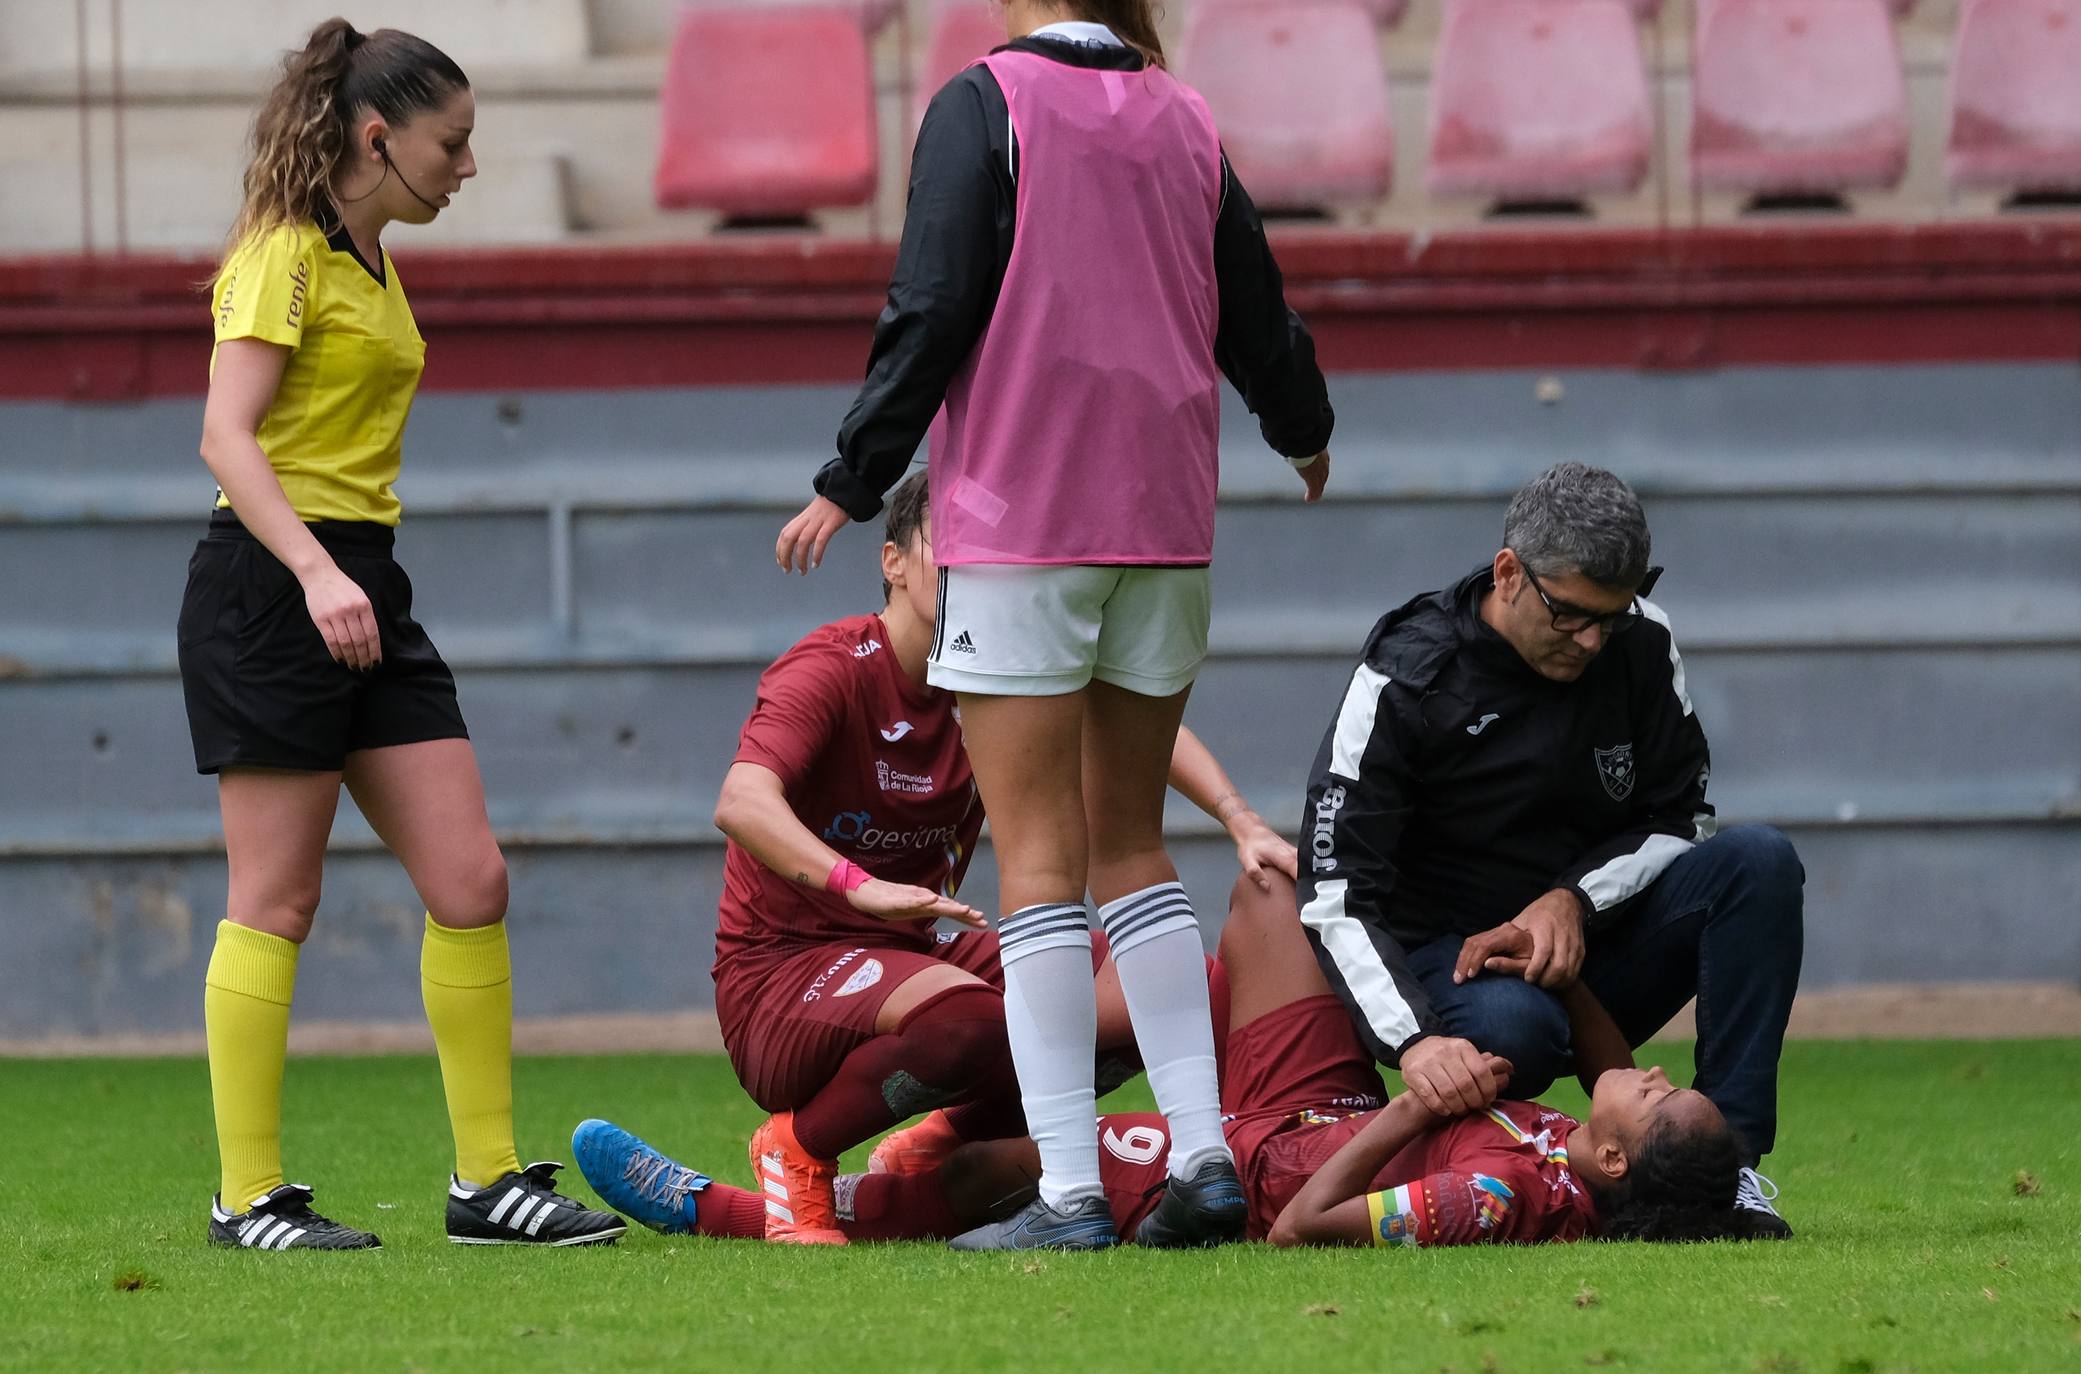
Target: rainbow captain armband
x,y
1393,1214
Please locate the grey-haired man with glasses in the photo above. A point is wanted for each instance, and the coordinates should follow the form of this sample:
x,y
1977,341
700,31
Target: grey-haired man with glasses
x,y
1509,809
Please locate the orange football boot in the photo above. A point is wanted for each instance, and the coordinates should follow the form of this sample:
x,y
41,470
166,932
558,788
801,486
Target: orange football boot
x,y
917,1149
800,1208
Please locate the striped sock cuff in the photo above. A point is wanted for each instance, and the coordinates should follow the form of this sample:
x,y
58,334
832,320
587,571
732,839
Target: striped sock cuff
x,y
253,964
477,958
1052,925
1140,917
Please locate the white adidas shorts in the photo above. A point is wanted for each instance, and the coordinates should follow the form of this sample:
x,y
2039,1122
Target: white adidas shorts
x,y
1038,631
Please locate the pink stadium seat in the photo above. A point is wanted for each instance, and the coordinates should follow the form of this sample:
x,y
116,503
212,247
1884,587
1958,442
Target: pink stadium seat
x,y
1797,96
1386,13
2016,96
962,31
1300,95
1537,100
739,139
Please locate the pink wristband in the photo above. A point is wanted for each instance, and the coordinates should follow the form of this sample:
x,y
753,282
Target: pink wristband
x,y
845,876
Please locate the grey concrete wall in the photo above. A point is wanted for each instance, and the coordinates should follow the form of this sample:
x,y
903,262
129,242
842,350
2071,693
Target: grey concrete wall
x,y
1875,576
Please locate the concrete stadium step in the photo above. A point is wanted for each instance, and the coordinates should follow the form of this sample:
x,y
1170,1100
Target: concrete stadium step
x,y
136,962
40,40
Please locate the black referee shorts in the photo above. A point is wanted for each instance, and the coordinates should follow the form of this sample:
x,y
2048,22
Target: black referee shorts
x,y
262,689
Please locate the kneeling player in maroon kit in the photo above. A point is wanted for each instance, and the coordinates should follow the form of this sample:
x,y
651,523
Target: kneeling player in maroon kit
x,y
852,815
1322,1162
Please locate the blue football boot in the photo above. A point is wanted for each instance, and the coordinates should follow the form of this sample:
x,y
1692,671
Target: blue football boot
x,y
647,1187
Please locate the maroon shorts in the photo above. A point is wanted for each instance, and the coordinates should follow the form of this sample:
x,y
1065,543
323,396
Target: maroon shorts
x,y
790,1020
1294,1077
1299,1066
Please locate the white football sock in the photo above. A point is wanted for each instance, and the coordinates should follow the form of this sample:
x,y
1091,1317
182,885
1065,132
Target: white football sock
x,y
1051,1014
1163,971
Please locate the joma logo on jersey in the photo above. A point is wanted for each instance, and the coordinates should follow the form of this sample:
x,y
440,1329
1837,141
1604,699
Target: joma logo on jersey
x,y
1322,843
301,279
872,646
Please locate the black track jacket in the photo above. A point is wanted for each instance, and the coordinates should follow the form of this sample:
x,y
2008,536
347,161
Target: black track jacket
x,y
1456,786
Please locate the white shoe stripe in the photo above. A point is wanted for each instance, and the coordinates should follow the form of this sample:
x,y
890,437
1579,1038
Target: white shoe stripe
x,y
535,1226
774,1209
245,1229
777,1189
286,1241
265,1237
512,1196
520,1213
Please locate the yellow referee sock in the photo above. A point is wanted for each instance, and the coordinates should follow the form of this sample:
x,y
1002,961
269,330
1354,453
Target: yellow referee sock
x,y
245,1010
466,977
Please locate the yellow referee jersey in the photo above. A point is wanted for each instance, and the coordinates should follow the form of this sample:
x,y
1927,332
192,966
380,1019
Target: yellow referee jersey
x,y
335,430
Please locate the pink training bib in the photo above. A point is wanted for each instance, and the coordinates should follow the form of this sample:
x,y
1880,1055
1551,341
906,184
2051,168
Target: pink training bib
x,y
1085,427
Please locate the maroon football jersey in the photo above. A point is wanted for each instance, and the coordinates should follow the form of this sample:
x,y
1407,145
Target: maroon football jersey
x,y
873,764
1498,1175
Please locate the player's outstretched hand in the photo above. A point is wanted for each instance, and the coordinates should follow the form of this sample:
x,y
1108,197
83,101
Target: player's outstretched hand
x,y
803,540
1451,1077
345,620
902,902
1316,473
1259,847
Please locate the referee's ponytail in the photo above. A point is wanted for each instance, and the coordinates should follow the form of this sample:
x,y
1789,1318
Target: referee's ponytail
x,y
1133,21
300,135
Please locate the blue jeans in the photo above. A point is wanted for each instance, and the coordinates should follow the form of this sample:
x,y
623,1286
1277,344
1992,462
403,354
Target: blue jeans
x,y
1723,923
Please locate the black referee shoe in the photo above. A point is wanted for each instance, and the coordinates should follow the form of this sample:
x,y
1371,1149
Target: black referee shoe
x,y
1207,1209
283,1220
526,1209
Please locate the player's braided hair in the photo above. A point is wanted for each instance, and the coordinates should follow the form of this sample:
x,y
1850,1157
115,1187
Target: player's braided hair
x,y
909,504
300,135
1133,21
1680,1186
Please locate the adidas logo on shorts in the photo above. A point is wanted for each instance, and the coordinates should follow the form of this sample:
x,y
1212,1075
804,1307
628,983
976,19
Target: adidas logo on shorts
x,y
962,644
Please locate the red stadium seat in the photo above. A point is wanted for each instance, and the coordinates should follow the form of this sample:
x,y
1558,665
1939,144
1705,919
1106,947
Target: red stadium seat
x,y
1300,94
738,139
1534,100
1797,96
962,31
2016,96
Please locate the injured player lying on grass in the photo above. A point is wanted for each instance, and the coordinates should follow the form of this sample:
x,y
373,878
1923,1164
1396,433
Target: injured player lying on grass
x,y
1323,1162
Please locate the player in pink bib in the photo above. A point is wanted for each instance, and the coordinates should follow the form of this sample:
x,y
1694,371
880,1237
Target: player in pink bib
x,y
1079,268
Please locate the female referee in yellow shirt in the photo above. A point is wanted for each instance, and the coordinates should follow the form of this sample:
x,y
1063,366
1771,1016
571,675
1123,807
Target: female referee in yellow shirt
x,y
300,660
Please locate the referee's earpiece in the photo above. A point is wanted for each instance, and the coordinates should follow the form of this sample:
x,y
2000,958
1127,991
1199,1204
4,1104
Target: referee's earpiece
x,y
383,151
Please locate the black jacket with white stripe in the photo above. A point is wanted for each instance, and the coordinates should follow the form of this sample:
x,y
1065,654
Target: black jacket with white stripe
x,y
1456,786
957,245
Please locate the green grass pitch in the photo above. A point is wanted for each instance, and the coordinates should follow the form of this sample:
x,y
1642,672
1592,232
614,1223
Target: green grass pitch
x,y
1936,1188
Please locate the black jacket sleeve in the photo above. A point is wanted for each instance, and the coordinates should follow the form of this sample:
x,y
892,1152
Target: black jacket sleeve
x,y
1264,350
1671,764
957,238
1359,799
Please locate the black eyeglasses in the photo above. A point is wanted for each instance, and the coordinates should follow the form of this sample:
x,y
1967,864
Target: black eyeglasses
x,y
1573,620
